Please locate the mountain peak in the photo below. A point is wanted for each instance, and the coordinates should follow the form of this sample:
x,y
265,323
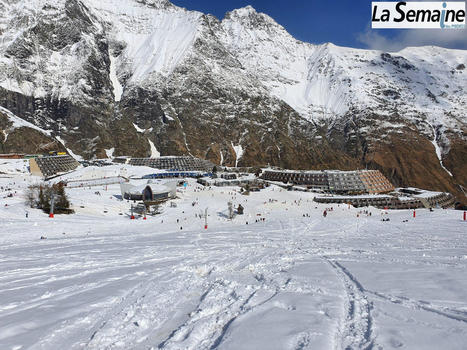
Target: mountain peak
x,y
156,3
247,16
245,11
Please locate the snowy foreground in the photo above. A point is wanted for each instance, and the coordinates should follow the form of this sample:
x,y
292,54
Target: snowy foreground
x,y
102,281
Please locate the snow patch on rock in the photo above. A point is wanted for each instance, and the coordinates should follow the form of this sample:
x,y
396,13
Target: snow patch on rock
x,y
70,152
438,150
117,87
110,152
154,152
138,129
238,153
19,122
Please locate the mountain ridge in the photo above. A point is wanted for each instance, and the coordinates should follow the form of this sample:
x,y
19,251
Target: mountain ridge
x,y
92,71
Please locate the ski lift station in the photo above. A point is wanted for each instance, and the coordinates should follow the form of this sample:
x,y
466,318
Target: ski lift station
x,y
153,190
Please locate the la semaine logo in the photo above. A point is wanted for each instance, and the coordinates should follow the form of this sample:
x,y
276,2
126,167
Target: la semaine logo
x,y
417,15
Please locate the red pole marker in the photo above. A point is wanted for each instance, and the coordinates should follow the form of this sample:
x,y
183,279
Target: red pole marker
x,y
414,215
465,216
205,227
51,215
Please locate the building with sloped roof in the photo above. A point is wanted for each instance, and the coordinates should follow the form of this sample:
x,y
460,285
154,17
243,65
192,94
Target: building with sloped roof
x,y
182,163
52,165
333,181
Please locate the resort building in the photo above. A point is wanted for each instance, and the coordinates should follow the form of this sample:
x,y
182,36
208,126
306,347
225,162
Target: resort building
x,y
333,181
183,163
52,165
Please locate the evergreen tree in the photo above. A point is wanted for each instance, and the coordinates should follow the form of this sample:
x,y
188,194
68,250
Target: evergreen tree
x,y
61,201
41,199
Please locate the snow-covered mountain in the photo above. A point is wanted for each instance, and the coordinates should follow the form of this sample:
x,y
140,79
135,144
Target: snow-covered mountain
x,y
147,77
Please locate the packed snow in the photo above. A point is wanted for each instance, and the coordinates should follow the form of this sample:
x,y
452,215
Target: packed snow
x,y
281,276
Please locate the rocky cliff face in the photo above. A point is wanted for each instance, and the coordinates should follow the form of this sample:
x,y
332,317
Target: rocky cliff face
x,y
19,136
146,78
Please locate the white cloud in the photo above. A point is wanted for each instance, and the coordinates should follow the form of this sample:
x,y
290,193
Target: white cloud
x,y
448,38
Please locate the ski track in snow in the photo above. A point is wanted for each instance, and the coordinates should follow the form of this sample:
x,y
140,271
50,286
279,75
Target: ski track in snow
x,y
222,301
456,315
299,282
357,332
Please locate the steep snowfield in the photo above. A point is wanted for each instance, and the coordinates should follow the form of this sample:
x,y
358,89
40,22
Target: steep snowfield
x,y
117,86
155,38
297,72
102,281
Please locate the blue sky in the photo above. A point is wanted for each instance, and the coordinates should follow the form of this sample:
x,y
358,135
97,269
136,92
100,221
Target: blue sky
x,y
342,22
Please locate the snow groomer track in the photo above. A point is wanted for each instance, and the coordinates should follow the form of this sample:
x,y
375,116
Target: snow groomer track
x,y
289,282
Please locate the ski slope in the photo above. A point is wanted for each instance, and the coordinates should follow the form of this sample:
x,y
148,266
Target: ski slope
x,y
102,281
